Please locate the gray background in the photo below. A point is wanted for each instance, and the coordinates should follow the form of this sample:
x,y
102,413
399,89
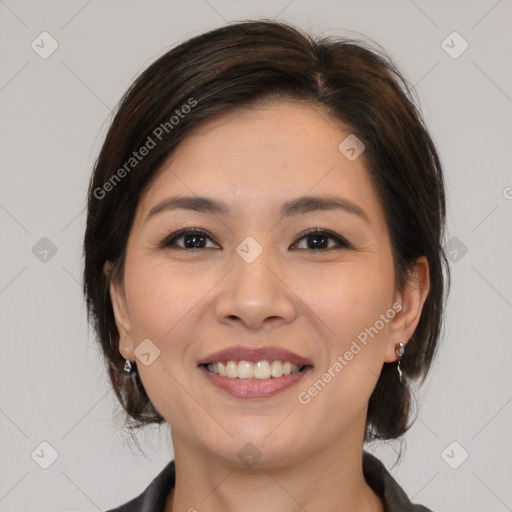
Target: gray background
x,y
54,115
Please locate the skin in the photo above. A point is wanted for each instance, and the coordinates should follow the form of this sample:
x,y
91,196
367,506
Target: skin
x,y
190,303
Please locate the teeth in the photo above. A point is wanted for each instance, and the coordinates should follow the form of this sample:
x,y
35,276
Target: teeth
x,y
245,370
261,370
221,369
231,370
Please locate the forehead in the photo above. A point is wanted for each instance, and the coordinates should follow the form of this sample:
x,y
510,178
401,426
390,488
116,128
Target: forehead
x,y
253,137
265,154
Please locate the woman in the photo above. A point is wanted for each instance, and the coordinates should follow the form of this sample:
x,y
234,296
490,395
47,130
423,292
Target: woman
x,y
264,268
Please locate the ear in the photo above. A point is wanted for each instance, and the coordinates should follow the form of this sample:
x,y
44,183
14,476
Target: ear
x,y
121,312
411,300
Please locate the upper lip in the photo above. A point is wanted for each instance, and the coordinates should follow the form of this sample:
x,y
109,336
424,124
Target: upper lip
x,y
255,354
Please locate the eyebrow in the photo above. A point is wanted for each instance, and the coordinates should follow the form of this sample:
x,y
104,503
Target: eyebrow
x,y
299,206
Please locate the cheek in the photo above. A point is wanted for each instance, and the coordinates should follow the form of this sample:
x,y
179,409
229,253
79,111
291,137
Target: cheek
x,y
352,355
355,309
160,300
351,300
162,308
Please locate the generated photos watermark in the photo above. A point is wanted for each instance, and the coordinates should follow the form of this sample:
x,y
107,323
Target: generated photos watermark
x,y
151,142
305,397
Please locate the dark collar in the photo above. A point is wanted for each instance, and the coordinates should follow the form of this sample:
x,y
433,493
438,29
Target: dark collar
x,y
153,498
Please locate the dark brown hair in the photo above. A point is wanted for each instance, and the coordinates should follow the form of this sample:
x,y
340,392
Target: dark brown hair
x,y
238,65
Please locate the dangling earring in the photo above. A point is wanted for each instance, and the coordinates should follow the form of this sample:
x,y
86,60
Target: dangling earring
x,y
129,367
399,351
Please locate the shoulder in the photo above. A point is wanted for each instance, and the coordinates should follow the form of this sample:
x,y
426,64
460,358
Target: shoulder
x,y
153,498
386,487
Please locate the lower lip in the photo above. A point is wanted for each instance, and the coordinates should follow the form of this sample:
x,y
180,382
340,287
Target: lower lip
x,y
254,388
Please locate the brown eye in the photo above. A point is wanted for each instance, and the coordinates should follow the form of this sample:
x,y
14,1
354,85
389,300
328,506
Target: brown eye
x,y
319,240
193,239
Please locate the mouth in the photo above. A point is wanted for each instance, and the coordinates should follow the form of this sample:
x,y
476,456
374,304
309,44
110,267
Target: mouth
x,y
247,370
254,373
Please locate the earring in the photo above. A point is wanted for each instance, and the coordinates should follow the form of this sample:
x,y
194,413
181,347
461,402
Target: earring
x,y
129,367
399,351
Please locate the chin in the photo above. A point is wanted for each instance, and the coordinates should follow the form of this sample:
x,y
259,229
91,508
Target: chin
x,y
258,446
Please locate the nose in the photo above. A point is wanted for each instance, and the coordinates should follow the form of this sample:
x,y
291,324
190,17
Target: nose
x,y
256,294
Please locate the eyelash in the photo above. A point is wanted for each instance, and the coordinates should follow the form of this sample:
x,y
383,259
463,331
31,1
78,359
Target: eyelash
x,y
170,240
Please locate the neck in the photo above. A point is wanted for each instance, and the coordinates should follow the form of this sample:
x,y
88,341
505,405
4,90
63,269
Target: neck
x,y
322,481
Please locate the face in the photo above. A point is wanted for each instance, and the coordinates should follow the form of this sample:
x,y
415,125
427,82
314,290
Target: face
x,y
253,279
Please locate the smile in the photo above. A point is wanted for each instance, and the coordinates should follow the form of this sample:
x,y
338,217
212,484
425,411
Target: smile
x,y
262,370
254,388
250,372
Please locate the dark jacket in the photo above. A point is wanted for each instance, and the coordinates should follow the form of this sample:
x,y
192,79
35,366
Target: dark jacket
x,y
377,476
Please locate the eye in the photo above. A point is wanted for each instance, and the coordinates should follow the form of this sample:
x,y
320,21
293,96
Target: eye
x,y
193,239
320,240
